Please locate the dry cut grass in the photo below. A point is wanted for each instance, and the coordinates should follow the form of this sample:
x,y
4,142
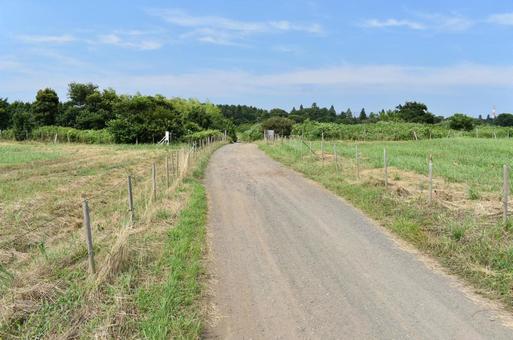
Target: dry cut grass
x,y
45,290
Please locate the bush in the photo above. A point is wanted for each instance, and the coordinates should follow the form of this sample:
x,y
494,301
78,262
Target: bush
x,y
253,133
504,119
281,126
7,134
461,122
377,131
197,136
393,131
22,125
65,134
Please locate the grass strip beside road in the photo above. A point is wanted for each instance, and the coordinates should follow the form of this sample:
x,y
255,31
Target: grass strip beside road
x,y
171,308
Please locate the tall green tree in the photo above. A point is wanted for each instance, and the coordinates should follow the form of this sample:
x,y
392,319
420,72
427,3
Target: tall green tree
x,y
460,121
414,112
281,125
278,112
363,116
332,113
146,119
46,107
504,119
5,114
78,92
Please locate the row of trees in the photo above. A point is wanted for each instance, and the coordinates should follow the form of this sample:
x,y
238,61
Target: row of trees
x,y
146,118
129,118
411,112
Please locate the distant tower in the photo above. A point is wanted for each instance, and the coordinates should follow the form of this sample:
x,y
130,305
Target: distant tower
x,y
494,112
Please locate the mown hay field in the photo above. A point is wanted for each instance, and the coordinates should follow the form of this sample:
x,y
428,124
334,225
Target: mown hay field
x,y
45,288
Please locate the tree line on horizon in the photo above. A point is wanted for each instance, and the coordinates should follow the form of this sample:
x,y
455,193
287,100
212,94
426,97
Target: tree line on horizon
x,y
410,112
144,119
129,118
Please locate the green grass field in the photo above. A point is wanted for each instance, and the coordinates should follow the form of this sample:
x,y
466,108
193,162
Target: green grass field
x,y
465,231
473,161
45,289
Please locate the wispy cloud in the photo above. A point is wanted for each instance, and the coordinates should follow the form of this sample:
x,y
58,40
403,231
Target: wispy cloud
x,y
363,78
501,19
9,64
136,41
284,88
424,21
132,39
47,39
226,31
376,23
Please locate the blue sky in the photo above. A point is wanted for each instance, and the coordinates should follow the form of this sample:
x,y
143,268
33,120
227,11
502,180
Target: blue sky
x,y
456,56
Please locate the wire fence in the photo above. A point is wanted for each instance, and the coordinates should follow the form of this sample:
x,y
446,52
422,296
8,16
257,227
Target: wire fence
x,y
139,189
345,159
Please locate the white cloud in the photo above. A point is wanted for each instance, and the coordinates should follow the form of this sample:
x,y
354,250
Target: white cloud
x,y
7,64
212,36
133,39
225,31
47,39
343,79
423,21
447,22
362,78
501,19
376,23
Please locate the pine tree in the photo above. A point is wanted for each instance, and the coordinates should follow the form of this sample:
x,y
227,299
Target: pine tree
x,y
332,113
46,107
363,115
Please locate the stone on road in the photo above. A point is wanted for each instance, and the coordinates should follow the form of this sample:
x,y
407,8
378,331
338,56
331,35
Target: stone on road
x,y
290,260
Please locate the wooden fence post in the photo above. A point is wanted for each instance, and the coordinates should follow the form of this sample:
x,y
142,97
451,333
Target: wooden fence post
x,y
385,167
89,236
430,175
154,181
130,201
505,192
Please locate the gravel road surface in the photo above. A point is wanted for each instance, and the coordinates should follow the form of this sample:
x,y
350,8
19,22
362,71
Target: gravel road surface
x,y
289,260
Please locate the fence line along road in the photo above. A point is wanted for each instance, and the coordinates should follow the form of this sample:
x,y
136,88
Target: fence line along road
x,y
279,140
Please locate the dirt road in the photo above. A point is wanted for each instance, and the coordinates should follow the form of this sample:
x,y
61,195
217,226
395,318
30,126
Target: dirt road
x,y
290,260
